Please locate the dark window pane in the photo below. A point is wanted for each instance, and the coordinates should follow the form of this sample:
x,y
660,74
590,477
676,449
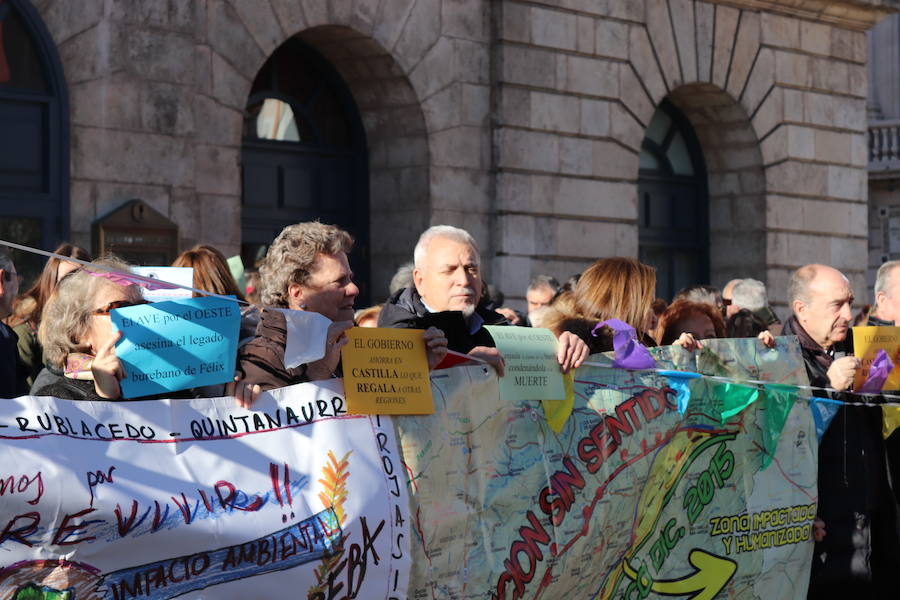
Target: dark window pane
x,y
330,119
25,231
20,64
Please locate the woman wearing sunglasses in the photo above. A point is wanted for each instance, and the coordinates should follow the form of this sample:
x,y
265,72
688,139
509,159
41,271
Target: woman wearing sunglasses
x,y
78,339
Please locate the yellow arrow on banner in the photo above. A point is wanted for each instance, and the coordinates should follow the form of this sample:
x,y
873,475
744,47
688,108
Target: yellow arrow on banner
x,y
711,575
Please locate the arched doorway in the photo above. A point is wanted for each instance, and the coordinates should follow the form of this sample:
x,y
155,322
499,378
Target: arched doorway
x,y
34,149
673,203
304,155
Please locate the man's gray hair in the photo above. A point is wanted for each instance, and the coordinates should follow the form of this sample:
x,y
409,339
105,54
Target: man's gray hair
x,y
442,231
542,281
67,315
883,277
291,258
749,294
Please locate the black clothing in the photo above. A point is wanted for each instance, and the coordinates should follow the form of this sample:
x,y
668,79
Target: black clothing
x,y
12,370
405,310
876,322
855,498
598,339
51,382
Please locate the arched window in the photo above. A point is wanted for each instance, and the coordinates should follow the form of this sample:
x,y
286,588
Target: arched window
x,y
34,146
673,203
304,155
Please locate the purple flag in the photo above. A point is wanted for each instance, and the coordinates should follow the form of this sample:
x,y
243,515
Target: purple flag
x,y
629,352
878,373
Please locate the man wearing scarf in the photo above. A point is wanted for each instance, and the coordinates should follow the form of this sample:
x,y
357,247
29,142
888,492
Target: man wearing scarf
x,y
861,550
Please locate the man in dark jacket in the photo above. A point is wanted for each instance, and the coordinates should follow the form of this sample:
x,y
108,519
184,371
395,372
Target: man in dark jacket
x,y
859,553
447,288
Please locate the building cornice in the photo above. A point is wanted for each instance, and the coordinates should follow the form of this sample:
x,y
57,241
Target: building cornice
x,y
851,14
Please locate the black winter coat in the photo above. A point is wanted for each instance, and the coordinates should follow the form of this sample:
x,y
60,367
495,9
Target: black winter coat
x,y
405,310
855,497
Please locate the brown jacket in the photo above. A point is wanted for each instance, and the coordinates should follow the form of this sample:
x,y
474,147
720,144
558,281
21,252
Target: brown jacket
x,y
262,359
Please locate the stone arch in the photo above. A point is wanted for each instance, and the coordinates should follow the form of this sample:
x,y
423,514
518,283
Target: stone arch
x,y
397,139
735,181
377,49
709,61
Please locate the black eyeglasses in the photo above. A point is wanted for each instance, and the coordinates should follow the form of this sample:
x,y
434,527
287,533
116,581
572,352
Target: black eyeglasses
x,y
117,304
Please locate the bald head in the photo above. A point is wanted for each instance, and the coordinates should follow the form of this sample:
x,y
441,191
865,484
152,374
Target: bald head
x,y
821,298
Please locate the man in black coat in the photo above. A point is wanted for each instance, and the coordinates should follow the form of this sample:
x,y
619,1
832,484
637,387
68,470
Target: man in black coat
x,y
859,553
447,288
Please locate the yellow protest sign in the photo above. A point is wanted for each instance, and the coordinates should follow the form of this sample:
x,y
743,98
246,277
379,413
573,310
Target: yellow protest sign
x,y
386,372
867,341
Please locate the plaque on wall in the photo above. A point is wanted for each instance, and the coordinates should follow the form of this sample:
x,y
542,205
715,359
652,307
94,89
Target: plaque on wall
x,y
137,233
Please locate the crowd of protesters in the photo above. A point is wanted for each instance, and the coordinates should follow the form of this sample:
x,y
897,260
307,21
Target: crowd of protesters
x,y
56,339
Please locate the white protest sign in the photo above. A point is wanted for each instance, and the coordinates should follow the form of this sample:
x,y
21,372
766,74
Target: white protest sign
x,y
200,499
178,275
307,334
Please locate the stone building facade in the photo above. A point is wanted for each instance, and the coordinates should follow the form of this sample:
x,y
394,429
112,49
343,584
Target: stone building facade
x,y
884,146
526,123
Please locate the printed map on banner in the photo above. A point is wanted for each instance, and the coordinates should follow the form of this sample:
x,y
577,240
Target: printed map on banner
x,y
630,500
201,499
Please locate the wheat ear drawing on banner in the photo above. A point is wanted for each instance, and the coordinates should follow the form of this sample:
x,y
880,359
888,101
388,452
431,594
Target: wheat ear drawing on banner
x,y
334,494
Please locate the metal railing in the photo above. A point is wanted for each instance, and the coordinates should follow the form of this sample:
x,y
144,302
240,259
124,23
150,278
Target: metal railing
x,y
884,145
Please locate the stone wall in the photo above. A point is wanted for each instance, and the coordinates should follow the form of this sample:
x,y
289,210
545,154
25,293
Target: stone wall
x,y
158,87
519,120
777,100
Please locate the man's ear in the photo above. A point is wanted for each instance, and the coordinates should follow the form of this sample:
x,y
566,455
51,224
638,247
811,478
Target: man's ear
x,y
296,294
879,299
799,307
418,278
4,280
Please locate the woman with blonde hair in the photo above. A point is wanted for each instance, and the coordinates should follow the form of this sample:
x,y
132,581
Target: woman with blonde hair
x,y
611,288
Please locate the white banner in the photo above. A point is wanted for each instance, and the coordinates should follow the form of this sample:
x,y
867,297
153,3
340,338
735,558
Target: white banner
x,y
200,498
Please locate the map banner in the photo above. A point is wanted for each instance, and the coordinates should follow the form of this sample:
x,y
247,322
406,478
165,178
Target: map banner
x,y
200,499
483,499
629,499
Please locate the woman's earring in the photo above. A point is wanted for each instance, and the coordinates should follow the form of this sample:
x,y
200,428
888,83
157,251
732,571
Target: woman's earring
x,y
302,307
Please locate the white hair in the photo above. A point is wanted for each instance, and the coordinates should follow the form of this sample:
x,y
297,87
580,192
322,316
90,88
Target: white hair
x,y
883,277
749,294
442,231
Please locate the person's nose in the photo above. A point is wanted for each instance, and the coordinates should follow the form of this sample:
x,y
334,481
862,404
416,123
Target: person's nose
x,y
847,312
462,278
352,290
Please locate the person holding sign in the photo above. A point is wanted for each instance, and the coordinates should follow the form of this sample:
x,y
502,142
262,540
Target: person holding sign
x,y
447,288
860,553
306,269
78,338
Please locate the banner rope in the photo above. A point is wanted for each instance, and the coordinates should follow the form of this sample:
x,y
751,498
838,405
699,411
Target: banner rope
x,y
100,270
750,383
759,384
